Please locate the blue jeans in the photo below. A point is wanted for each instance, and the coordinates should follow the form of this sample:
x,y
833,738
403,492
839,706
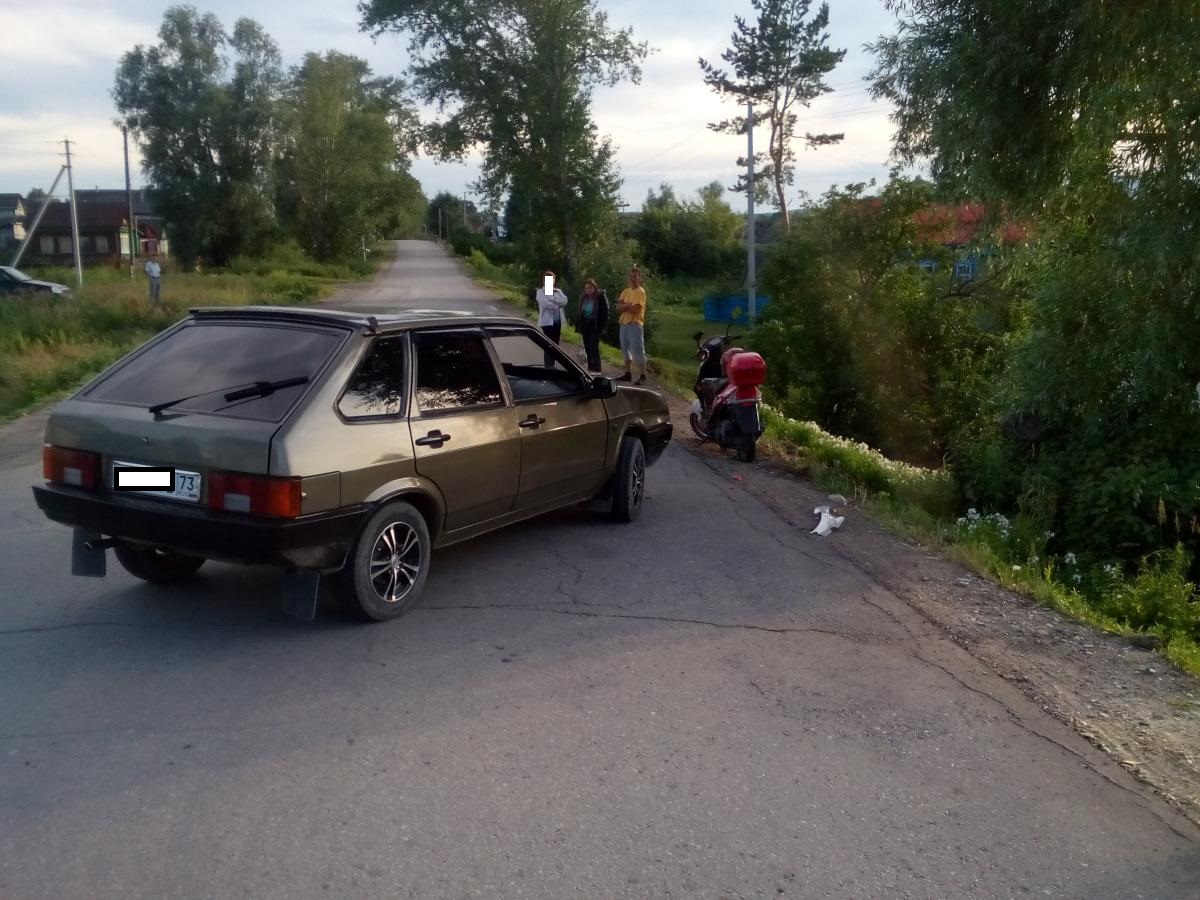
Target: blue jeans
x,y
633,348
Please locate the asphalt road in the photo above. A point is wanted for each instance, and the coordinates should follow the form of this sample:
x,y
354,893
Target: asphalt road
x,y
706,703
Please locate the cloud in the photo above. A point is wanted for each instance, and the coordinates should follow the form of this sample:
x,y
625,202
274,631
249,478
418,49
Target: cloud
x,y
30,154
39,37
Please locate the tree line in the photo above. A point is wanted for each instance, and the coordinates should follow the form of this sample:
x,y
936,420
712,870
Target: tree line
x,y
239,153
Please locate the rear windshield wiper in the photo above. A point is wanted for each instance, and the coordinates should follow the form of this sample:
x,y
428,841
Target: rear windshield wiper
x,y
257,389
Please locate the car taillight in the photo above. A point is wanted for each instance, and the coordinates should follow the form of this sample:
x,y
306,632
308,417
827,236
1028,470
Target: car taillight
x,y
75,467
260,495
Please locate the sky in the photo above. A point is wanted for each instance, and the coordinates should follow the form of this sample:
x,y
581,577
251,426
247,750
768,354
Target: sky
x,y
61,56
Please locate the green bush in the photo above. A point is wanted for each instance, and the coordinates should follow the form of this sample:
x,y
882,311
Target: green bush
x,y
463,242
501,253
1159,597
863,340
1098,399
699,238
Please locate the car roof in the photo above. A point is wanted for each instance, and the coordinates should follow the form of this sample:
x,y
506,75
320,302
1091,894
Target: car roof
x,y
369,322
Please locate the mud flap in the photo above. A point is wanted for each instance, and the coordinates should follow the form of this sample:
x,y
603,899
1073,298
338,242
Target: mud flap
x,y
300,589
89,561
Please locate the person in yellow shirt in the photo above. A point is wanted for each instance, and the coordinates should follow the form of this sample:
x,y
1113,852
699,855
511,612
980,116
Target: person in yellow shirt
x,y
632,308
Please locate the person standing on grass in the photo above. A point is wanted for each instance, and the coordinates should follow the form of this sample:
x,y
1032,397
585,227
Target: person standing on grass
x,y
550,301
632,307
593,319
154,273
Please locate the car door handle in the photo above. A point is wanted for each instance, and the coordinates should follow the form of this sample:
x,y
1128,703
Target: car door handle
x,y
532,421
434,439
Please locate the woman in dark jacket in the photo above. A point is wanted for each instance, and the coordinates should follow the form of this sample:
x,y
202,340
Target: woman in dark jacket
x,y
593,319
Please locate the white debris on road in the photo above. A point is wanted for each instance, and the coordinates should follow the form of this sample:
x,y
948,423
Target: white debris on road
x,y
829,515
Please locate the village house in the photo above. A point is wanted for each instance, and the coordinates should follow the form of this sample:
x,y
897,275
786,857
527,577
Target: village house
x,y
103,228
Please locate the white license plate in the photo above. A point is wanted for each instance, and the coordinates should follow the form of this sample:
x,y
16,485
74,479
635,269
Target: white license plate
x,y
187,484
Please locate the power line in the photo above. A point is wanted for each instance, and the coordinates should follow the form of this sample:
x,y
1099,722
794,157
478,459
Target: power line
x,y
675,166
669,149
842,113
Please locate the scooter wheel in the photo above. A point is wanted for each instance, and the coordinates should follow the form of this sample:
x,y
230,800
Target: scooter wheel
x,y
746,448
698,427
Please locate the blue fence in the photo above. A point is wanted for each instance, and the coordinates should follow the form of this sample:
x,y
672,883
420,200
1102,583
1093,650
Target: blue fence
x,y
722,309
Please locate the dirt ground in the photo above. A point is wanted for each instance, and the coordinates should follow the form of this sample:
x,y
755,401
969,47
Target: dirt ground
x,y
1127,700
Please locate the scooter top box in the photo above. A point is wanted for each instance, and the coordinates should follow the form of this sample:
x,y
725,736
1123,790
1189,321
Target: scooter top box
x,y
747,370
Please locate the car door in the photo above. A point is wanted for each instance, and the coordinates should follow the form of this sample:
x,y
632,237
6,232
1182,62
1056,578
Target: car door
x,y
465,437
564,428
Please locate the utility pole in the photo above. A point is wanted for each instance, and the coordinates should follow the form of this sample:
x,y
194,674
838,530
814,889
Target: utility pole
x,y
74,217
751,291
464,211
441,209
128,199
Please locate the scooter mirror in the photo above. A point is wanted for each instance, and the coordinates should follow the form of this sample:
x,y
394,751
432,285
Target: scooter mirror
x,y
696,337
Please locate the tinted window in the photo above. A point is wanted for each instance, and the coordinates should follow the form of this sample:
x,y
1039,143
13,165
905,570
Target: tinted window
x,y
524,359
454,370
211,359
377,388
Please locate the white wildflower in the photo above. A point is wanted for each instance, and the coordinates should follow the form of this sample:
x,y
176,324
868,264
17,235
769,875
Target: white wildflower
x,y
1069,559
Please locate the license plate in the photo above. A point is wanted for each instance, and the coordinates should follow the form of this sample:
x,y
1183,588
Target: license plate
x,y
187,484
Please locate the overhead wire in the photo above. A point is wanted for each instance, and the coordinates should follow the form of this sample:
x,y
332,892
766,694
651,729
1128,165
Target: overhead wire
x,y
669,149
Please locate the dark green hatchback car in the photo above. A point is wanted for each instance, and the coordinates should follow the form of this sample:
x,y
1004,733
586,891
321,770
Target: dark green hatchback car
x,y
336,444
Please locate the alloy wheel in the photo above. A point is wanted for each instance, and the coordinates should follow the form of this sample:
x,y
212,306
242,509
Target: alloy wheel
x,y
637,486
395,562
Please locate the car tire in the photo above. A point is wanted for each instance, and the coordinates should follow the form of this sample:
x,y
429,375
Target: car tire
x,y
157,566
629,480
386,570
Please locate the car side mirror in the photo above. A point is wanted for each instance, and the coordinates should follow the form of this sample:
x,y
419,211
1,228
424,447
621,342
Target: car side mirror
x,y
603,387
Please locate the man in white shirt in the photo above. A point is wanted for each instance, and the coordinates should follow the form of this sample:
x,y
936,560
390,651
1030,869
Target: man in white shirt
x,y
550,307
154,272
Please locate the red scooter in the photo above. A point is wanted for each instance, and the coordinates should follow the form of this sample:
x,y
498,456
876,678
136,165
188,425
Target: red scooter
x,y
726,408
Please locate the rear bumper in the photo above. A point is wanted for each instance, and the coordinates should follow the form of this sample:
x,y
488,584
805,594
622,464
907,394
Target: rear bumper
x,y
319,541
657,438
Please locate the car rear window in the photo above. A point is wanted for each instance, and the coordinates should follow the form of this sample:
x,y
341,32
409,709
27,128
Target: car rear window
x,y
207,360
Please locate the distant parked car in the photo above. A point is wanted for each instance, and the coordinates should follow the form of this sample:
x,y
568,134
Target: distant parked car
x,y
13,281
339,445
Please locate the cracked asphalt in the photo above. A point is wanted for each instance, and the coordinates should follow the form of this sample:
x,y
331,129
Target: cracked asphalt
x,y
707,703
